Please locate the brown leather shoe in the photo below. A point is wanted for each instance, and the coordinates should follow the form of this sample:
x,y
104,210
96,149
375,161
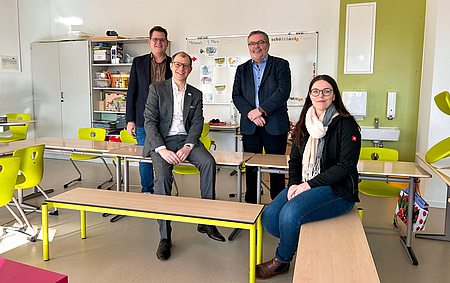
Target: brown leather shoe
x,y
271,268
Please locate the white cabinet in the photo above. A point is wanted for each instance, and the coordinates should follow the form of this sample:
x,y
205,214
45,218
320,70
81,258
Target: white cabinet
x,y
61,87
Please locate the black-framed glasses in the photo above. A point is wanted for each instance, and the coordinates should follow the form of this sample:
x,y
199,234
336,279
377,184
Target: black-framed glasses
x,y
179,65
154,39
253,44
326,92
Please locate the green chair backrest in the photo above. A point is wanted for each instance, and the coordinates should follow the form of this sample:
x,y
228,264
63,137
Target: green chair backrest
x,y
205,130
126,137
438,151
206,142
31,166
93,134
378,153
9,167
19,132
443,102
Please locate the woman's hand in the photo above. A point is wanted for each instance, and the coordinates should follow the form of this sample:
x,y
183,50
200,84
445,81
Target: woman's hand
x,y
295,190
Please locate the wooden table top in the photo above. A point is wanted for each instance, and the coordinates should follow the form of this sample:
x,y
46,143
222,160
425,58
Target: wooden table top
x,y
269,160
440,172
392,168
80,145
12,146
17,122
171,205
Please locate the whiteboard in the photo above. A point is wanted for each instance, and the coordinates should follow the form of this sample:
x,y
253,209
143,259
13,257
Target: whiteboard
x,y
215,59
9,30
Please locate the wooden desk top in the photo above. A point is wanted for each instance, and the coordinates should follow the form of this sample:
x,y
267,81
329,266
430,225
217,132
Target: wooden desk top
x,y
269,160
442,175
389,168
221,157
224,127
80,145
17,122
191,207
334,250
12,146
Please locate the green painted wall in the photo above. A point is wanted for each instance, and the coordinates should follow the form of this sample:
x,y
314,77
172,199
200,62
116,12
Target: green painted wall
x,y
397,67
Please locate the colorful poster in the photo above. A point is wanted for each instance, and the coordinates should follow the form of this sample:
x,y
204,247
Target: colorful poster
x,y
208,97
211,51
220,62
234,61
220,88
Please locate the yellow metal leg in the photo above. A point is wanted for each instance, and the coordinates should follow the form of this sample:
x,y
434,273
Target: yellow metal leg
x,y
253,253
259,241
83,224
45,248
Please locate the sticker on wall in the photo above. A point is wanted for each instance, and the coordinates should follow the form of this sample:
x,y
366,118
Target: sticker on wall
x,y
234,61
208,97
220,62
201,51
211,51
195,60
206,70
205,80
220,88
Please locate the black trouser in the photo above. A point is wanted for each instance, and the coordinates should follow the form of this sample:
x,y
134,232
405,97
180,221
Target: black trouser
x,y
273,144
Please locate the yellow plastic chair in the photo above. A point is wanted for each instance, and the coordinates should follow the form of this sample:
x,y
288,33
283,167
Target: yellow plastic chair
x,y
9,168
379,188
18,132
192,170
442,148
93,134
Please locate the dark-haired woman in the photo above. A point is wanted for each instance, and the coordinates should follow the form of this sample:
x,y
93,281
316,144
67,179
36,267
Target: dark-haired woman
x,y
323,177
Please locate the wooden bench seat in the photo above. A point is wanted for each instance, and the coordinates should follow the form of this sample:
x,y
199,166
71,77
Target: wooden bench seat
x,y
334,250
191,210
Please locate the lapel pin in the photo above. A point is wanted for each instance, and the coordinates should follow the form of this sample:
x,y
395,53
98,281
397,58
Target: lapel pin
x,y
189,94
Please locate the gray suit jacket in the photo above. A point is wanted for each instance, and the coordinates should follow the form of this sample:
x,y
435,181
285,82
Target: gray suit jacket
x,y
158,115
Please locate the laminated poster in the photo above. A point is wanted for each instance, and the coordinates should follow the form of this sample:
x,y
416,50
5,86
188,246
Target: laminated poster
x,y
211,51
234,61
206,70
220,88
205,80
220,62
207,97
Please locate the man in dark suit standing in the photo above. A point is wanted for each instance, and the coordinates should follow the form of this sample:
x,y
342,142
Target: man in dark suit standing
x,y
261,89
145,70
173,123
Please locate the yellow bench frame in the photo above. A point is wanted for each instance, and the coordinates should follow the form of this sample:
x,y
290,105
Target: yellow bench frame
x,y
96,204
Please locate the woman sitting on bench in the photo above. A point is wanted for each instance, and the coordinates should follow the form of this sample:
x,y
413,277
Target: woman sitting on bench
x,y
323,176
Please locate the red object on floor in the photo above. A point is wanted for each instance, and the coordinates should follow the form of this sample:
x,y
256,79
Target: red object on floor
x,y
15,272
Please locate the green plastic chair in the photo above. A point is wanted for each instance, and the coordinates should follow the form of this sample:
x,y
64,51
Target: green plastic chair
x,y
192,170
9,168
18,132
31,172
379,188
442,148
93,134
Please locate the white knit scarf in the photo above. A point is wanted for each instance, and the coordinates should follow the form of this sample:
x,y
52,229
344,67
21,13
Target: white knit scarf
x,y
317,128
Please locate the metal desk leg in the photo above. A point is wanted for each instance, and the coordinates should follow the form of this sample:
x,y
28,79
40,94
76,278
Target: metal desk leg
x,y
125,186
446,235
259,241
407,242
253,253
236,231
45,248
258,186
119,173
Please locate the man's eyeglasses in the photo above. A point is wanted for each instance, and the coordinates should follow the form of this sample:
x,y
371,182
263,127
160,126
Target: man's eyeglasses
x,y
326,92
154,39
253,44
179,65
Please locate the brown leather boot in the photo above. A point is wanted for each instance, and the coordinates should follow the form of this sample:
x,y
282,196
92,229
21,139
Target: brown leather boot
x,y
271,268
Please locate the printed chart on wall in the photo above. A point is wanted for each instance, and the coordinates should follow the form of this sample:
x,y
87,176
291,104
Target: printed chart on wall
x,y
215,59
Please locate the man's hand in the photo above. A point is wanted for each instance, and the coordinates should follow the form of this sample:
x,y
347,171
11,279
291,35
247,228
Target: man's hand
x,y
183,153
252,115
295,190
169,156
131,129
260,121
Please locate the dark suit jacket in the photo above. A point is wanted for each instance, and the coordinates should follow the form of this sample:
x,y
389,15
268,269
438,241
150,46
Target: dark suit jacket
x,y
273,94
158,115
138,87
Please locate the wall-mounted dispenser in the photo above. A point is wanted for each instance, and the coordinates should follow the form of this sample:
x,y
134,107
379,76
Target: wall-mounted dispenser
x,y
391,105
356,103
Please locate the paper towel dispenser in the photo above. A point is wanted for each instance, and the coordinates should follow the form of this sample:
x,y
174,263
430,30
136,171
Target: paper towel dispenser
x,y
356,103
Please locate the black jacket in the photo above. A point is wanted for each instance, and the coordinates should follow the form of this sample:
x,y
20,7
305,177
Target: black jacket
x,y
338,167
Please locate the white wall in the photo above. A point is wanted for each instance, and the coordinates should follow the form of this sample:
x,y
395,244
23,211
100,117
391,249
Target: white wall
x,y
16,88
434,125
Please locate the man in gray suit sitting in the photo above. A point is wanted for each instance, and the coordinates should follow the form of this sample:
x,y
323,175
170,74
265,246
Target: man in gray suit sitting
x,y
173,125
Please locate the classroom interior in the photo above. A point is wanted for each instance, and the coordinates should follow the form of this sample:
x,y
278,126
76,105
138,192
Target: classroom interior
x,y
410,58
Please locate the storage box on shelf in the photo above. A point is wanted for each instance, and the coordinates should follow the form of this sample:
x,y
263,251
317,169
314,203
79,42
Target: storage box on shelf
x,y
110,77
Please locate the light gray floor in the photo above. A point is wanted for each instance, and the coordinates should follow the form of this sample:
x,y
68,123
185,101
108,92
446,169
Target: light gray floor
x,y
125,251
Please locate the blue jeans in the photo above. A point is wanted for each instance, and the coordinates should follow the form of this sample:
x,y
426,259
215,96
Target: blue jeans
x,y
283,218
145,169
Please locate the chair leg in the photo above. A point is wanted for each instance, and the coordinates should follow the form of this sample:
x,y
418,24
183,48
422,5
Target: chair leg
x,y
32,236
55,211
176,186
110,174
74,180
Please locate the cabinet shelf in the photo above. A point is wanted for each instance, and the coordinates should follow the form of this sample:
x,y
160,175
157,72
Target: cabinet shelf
x,y
110,88
111,65
109,112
